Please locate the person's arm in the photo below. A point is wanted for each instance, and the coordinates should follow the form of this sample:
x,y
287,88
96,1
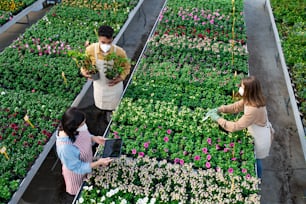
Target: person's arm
x,y
246,120
98,139
70,157
232,108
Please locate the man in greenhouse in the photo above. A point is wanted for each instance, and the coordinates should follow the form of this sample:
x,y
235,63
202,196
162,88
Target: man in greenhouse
x,y
113,66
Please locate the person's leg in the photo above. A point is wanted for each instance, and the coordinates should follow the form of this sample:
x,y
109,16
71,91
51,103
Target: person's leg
x,y
259,168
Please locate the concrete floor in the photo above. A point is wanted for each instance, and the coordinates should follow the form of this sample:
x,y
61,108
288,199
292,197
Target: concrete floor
x,y
283,171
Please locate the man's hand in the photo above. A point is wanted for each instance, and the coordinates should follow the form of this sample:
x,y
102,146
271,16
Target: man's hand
x,y
85,73
115,81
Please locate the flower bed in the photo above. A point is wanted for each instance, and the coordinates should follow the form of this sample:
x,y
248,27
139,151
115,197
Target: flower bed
x,y
40,80
190,64
290,21
9,8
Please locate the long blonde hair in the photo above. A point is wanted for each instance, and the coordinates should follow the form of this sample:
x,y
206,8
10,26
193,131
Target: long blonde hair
x,y
252,95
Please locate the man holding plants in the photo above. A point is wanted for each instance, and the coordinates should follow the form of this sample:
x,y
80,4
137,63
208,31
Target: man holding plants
x,y
113,66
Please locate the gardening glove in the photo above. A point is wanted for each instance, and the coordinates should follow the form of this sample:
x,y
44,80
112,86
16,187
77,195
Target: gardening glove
x,y
214,116
209,112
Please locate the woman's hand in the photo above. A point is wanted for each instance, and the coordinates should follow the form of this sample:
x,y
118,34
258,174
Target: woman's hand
x,y
99,139
105,161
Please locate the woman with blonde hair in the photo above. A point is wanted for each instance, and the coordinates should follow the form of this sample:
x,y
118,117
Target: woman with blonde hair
x,y
255,118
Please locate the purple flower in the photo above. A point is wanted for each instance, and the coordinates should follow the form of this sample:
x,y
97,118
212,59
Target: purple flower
x,y
197,158
207,165
230,170
166,139
181,162
146,144
209,141
134,151
217,147
204,150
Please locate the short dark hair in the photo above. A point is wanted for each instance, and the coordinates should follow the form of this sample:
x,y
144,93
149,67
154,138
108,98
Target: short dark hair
x,y
106,31
71,121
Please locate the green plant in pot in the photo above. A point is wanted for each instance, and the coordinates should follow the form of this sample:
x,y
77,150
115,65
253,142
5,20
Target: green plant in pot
x,y
83,60
114,65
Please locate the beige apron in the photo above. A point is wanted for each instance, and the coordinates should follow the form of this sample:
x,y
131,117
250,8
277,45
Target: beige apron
x,y
262,138
106,97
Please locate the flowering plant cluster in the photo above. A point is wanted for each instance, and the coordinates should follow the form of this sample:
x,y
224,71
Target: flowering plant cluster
x,y
144,180
8,8
193,63
39,81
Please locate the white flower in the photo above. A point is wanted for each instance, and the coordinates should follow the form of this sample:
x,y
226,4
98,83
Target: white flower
x,y
123,201
102,198
2,93
81,200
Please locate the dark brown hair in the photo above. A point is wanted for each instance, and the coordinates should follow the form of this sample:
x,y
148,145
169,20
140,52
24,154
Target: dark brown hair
x,y
252,95
106,31
71,121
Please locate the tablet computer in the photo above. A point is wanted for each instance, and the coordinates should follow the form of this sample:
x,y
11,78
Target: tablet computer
x,y
112,148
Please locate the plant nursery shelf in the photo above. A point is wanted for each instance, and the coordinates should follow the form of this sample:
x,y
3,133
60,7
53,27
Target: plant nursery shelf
x,y
38,5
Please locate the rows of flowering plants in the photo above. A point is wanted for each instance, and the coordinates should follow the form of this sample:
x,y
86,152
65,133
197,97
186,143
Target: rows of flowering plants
x,y
9,8
290,20
39,80
193,62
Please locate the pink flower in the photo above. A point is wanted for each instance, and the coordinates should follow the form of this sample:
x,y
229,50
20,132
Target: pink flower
x,y
207,165
146,144
185,153
211,21
218,169
141,154
166,149
208,157
209,141
232,144
134,151
166,139
182,162
248,176
244,171
169,131
234,159
176,160
225,150
197,158
230,170
204,150
217,147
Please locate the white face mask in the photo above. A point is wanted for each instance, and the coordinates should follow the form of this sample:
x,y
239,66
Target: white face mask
x,y
105,47
241,91
82,128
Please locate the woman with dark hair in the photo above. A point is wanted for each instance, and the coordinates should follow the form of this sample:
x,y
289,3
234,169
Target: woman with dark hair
x,y
74,148
255,118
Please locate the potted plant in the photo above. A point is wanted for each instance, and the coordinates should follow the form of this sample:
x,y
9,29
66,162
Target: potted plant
x,y
114,65
83,61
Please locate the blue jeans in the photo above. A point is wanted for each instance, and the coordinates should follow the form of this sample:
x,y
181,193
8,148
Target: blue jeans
x,y
259,168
